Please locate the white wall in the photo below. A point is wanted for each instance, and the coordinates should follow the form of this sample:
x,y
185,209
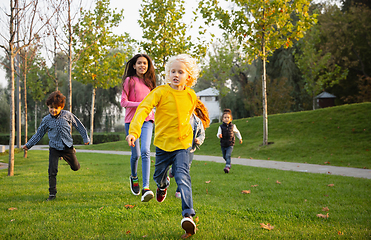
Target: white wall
x,y
212,106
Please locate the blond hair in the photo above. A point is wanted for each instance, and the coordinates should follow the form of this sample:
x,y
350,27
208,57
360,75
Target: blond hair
x,y
191,67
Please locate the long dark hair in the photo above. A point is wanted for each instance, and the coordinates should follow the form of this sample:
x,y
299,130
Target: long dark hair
x,y
149,77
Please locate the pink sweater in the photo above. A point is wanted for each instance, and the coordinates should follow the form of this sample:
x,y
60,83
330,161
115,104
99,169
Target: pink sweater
x,y
134,91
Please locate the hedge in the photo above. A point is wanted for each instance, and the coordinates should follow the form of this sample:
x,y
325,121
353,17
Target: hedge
x,y
77,139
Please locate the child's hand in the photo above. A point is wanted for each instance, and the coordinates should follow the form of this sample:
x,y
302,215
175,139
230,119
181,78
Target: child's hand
x,y
25,148
131,140
220,135
197,141
240,141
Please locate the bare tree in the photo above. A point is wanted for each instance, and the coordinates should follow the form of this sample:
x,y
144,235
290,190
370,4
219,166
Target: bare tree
x,y
68,12
31,24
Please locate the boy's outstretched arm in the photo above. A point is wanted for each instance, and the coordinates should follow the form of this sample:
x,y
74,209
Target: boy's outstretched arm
x,y
131,140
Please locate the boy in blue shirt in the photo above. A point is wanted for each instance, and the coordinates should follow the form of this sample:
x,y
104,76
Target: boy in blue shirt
x,y
58,125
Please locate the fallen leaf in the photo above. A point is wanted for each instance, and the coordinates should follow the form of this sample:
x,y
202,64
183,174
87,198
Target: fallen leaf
x,y
152,161
12,220
207,192
101,208
246,191
196,219
305,200
340,233
239,156
208,181
205,163
128,232
12,208
269,158
326,162
325,209
278,182
331,185
250,157
129,206
254,185
322,215
186,235
266,226
144,236
329,172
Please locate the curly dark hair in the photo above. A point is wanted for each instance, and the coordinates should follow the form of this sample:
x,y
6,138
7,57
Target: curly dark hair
x,y
56,99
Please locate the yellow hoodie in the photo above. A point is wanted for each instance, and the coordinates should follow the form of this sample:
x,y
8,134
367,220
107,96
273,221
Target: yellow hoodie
x,y
173,111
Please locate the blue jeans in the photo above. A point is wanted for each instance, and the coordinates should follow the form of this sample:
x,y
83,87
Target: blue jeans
x,y
179,159
227,153
142,150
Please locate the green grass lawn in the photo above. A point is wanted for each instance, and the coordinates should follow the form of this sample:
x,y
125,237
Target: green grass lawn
x,y
339,135
91,202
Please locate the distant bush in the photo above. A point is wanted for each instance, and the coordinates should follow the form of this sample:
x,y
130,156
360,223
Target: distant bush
x,y
77,139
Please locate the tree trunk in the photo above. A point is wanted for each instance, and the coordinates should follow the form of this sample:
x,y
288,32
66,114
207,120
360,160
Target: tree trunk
x,y
92,115
25,105
18,92
264,89
69,58
55,64
11,100
35,117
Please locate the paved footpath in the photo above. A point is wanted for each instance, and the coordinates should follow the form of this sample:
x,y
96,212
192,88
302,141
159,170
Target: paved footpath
x,y
288,166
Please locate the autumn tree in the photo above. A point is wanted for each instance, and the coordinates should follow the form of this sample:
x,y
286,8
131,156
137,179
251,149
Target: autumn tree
x,y
164,33
261,27
98,64
30,27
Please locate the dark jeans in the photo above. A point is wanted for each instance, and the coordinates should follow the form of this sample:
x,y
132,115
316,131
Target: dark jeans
x,y
179,159
227,154
69,155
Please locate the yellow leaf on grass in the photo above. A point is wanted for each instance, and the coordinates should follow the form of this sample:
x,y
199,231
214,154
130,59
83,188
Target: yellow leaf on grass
x,y
12,208
129,206
196,219
186,235
246,191
278,182
266,226
322,215
325,209
254,185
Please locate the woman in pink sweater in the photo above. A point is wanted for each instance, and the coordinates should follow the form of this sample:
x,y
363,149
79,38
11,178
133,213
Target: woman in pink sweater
x,y
138,80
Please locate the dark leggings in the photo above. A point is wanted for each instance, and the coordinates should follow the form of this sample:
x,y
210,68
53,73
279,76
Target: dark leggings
x,y
69,155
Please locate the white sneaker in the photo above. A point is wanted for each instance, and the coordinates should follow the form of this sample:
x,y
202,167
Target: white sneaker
x,y
188,225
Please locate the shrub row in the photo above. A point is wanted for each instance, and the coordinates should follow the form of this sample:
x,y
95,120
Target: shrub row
x,y
77,139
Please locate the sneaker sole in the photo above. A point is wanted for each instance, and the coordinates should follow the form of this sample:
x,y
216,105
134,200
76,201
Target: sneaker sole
x,y
147,196
188,225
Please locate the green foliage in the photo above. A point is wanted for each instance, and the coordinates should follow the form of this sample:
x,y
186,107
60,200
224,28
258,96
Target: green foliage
x,y
99,63
346,35
90,203
164,33
257,24
318,69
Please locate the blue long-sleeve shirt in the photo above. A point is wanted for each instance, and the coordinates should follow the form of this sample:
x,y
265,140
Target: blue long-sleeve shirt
x,y
59,130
